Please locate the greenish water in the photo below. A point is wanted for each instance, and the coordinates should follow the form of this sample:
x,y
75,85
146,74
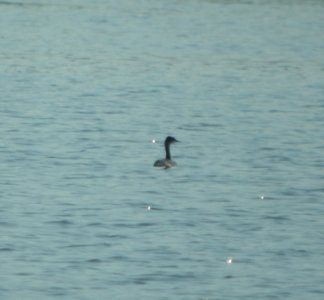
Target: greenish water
x,y
86,87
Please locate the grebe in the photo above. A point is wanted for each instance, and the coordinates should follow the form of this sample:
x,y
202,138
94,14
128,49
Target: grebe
x,y
167,162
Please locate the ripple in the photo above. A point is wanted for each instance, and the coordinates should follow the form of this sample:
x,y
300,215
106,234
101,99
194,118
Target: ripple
x,y
61,222
6,249
94,261
87,245
94,224
23,274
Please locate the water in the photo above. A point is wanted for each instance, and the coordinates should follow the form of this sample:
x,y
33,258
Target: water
x,y
86,87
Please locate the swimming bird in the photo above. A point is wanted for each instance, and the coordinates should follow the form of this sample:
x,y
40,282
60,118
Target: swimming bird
x,y
167,162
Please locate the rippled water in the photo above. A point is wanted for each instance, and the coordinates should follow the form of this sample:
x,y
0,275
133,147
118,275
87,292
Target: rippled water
x,y
85,88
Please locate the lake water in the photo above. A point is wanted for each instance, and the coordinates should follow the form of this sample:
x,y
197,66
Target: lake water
x,y
85,88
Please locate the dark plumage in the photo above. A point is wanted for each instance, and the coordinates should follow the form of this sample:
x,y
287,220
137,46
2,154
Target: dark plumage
x,y
167,162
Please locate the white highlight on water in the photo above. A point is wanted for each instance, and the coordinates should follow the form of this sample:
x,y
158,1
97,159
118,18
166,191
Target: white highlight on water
x,y
229,260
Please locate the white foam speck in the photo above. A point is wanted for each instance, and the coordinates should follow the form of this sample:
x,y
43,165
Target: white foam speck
x,y
153,141
229,260
149,208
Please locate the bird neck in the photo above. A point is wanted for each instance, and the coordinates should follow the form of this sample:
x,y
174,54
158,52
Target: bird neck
x,y
167,151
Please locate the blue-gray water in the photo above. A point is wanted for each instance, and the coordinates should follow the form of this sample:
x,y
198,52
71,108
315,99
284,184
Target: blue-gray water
x,y
85,88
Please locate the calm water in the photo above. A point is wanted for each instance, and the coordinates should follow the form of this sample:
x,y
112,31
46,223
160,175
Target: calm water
x,y
85,88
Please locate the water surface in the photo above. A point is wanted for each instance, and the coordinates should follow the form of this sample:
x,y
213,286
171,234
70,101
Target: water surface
x,y
86,87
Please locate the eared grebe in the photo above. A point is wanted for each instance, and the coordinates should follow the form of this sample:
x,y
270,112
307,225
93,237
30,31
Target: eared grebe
x,y
167,162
